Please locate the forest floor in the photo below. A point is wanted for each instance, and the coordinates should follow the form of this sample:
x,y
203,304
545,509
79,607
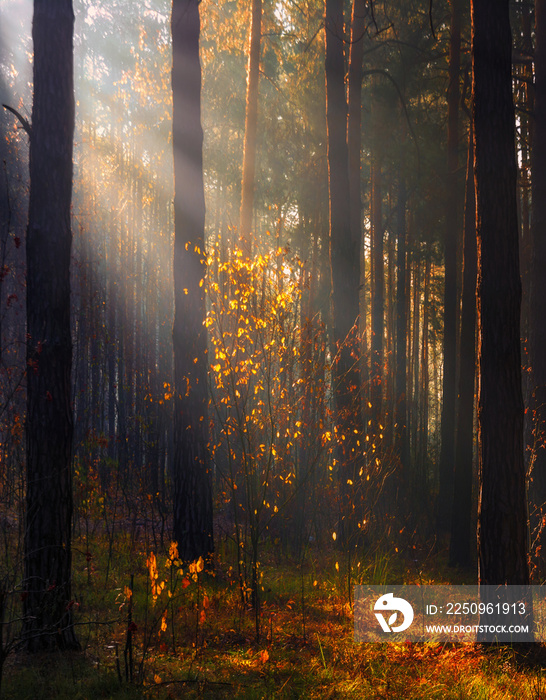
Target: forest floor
x,y
197,639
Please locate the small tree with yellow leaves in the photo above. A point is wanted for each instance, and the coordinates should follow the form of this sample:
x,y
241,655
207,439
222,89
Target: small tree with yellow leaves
x,y
167,589
257,390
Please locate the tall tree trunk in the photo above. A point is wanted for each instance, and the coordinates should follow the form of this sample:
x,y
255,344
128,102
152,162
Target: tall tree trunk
x,y
459,552
354,121
113,382
445,496
378,295
192,480
422,460
345,266
47,583
502,520
401,431
538,298
414,373
251,127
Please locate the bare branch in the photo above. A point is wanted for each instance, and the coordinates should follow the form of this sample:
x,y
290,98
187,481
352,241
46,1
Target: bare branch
x,y
24,122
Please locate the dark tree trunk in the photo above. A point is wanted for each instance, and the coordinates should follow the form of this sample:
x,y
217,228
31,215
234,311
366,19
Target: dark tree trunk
x,y
354,122
378,295
502,520
192,479
401,432
445,496
461,521
538,298
422,441
47,583
251,127
345,265
415,284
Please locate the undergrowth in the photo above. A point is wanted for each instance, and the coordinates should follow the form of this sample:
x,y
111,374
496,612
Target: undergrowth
x,y
165,631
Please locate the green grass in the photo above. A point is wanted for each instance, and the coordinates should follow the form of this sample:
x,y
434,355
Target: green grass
x,y
305,650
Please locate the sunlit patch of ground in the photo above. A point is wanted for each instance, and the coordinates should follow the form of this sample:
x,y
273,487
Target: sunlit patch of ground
x,y
305,650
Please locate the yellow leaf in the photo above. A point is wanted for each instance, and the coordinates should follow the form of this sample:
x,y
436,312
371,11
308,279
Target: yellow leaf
x,y
164,622
157,679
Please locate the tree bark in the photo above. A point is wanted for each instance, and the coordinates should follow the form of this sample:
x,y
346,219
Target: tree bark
x,y
193,528
354,121
502,520
401,431
378,295
251,128
459,548
345,266
537,314
47,581
447,453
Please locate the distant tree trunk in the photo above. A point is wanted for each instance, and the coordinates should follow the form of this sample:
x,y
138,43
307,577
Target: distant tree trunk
x,y
414,372
112,347
502,520
47,584
354,122
192,480
251,127
459,552
422,450
538,298
401,431
524,91
345,265
378,295
445,496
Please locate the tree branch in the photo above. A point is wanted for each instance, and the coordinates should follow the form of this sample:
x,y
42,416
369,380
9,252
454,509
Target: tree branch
x,y
24,122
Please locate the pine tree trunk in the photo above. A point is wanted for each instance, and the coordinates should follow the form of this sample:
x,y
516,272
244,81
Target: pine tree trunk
x,y
422,461
401,432
192,480
461,521
378,296
251,128
414,372
445,496
502,520
344,259
538,299
47,581
354,121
